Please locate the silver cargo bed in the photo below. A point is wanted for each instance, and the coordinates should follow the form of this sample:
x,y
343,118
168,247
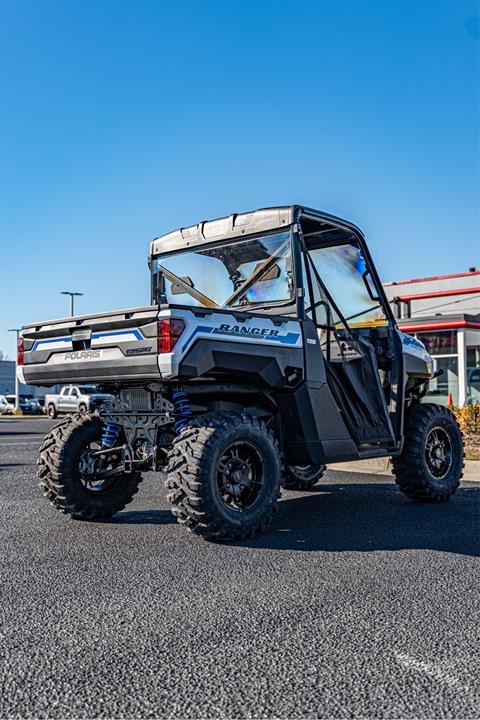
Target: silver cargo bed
x,y
120,345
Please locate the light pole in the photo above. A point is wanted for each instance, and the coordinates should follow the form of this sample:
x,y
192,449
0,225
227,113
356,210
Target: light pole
x,y
72,295
17,331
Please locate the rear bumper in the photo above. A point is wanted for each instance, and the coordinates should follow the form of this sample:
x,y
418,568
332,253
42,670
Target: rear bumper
x,y
92,371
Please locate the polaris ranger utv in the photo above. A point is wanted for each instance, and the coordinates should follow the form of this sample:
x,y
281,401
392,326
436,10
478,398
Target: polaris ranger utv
x,y
269,351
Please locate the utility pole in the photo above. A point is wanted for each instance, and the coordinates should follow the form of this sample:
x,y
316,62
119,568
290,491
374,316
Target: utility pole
x,y
17,394
72,295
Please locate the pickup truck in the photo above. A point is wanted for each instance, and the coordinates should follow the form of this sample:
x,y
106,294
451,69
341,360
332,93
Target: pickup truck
x,y
75,398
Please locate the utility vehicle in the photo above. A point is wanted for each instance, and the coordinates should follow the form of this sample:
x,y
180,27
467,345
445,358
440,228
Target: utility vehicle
x,y
269,351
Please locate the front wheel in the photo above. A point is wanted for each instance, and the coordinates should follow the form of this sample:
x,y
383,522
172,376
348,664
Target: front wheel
x,y
223,474
431,464
303,477
74,477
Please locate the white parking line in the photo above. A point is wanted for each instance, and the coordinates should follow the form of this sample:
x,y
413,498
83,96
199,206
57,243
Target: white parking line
x,y
23,442
442,674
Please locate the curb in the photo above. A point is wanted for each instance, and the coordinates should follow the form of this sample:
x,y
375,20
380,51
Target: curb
x,y
381,466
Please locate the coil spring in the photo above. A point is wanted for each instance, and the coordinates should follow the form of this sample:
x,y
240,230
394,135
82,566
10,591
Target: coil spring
x,y
110,434
183,413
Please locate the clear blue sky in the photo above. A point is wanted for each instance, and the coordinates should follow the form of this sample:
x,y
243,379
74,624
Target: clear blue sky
x,y
124,120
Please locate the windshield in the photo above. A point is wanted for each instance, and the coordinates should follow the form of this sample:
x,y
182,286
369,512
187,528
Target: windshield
x,y
238,273
88,390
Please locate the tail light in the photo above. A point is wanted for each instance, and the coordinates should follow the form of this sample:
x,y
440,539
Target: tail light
x,y
20,351
169,331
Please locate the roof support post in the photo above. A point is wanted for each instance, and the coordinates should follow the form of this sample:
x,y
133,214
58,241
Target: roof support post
x,y
462,367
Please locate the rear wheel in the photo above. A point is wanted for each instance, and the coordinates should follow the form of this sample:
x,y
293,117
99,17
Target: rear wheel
x,y
76,480
431,464
82,409
52,411
223,474
303,477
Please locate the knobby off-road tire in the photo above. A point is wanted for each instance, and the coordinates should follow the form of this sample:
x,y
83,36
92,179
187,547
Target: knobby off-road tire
x,y
303,477
196,479
431,464
60,478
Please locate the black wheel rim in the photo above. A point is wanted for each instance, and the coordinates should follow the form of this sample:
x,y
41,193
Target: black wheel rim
x,y
438,452
240,476
91,466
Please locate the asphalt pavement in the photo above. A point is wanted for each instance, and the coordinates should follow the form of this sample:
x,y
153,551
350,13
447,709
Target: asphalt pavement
x,y
355,603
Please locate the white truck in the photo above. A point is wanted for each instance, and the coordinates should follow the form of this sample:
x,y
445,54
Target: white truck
x,y
75,398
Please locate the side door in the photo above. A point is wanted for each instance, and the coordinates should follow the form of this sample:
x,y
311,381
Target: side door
x,y
74,399
354,333
63,398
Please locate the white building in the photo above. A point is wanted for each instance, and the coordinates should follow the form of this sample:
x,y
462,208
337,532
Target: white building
x,y
444,313
7,382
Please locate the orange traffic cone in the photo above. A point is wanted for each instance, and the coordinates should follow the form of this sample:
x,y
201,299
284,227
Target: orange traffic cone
x,y
450,401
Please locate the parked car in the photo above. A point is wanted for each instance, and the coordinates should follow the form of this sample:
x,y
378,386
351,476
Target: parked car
x,y
5,407
28,404
75,398
41,402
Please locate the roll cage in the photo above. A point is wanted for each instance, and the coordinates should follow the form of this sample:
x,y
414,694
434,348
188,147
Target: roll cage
x,y
310,229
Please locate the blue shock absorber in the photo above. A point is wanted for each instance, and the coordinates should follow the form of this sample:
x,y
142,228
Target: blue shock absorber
x,y
183,412
110,434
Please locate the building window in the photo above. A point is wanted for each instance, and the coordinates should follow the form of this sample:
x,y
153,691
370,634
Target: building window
x,y
446,385
473,374
442,346
443,342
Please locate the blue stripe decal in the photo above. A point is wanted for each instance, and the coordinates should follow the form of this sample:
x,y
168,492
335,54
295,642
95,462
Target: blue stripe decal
x,y
53,340
198,329
135,332
95,336
288,339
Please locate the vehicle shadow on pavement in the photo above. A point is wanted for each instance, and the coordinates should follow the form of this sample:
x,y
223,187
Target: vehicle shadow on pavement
x,y
366,517
142,517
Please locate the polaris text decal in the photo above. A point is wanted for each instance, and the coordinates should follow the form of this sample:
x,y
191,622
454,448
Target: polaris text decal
x,y
83,355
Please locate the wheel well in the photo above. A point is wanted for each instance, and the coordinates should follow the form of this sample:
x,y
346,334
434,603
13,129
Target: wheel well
x,y
231,398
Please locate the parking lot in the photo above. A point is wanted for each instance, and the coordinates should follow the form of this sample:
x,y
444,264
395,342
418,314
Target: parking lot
x,y
355,603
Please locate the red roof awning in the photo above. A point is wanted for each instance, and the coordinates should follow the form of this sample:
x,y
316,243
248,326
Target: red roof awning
x,y
439,293
440,325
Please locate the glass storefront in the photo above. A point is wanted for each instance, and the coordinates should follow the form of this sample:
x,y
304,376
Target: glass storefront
x,y
442,342
473,373
443,346
446,384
